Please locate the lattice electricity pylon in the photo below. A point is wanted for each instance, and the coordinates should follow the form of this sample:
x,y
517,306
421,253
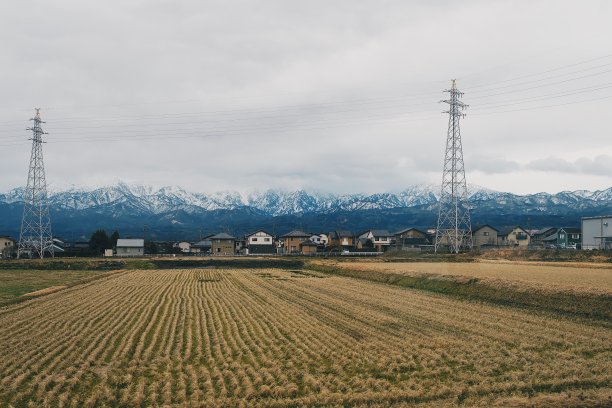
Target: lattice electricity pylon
x,y
454,229
35,238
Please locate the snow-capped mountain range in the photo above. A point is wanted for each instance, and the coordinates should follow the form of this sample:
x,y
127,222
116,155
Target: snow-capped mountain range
x,y
270,202
129,206
278,202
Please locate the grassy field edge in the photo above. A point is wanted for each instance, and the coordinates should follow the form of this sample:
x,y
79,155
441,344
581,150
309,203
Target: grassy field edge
x,y
45,291
594,306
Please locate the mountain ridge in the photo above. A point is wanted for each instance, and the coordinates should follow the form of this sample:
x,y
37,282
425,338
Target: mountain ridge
x,y
172,211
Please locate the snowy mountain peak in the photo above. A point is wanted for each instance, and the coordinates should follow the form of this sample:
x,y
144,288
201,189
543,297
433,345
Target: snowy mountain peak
x,y
279,202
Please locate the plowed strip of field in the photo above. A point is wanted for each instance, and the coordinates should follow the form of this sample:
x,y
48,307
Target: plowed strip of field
x,y
275,338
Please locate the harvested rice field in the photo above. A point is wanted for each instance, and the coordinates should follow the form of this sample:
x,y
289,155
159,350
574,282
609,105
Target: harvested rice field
x,y
283,338
588,277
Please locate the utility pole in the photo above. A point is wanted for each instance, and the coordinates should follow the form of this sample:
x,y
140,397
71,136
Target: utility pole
x,y
454,227
35,237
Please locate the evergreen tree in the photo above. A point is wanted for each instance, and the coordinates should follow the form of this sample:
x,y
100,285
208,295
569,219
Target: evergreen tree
x,y
114,237
150,247
99,241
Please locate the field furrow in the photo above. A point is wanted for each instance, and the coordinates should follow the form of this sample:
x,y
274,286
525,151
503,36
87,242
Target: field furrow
x,y
279,338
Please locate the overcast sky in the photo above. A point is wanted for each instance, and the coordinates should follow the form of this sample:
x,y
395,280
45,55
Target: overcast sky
x,y
335,96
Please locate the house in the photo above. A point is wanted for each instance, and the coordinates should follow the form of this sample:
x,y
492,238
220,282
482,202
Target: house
x,y
320,239
259,242
292,241
515,237
240,246
184,247
597,232
77,248
342,240
380,239
562,238
7,247
538,236
410,238
308,247
223,244
202,247
130,247
364,244
484,236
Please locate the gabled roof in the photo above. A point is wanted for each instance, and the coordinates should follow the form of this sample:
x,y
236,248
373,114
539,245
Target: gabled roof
x,y
255,232
507,231
130,243
381,233
479,227
222,235
309,243
597,217
571,230
544,231
296,233
409,229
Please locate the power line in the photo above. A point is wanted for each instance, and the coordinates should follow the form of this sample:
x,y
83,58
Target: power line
x,y
332,114
545,106
546,97
210,133
542,85
540,72
342,102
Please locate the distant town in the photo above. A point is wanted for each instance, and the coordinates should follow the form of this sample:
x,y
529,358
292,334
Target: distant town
x,y
594,234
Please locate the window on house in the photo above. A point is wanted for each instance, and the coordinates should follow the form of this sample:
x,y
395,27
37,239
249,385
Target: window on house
x,y
486,233
267,239
254,239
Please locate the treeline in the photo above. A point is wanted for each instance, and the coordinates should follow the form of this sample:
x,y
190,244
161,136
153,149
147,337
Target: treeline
x,y
101,241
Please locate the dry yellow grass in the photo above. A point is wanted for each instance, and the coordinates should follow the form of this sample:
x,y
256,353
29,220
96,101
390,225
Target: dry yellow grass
x,y
572,276
45,291
281,338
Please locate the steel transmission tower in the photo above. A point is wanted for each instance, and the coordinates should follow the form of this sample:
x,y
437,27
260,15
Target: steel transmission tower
x,y
35,238
454,229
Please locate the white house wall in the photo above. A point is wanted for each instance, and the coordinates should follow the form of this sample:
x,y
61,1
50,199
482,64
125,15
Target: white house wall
x,y
592,231
259,238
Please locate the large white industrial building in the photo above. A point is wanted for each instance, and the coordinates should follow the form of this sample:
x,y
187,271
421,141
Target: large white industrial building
x,y
597,232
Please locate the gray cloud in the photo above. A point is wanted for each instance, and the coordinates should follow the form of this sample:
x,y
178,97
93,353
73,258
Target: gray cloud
x,y
337,96
600,165
492,164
